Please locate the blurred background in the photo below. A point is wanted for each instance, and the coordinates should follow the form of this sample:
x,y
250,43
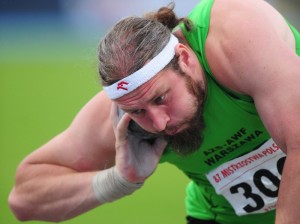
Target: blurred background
x,y
48,71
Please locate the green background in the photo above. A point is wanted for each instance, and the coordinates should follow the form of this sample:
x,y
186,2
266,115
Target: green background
x,y
47,73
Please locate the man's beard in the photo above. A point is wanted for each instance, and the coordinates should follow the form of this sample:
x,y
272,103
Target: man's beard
x,y
190,139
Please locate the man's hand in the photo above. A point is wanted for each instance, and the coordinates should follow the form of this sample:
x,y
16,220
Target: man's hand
x,y
136,158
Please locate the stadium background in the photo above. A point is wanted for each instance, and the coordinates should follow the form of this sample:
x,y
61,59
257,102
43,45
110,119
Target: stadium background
x,y
48,71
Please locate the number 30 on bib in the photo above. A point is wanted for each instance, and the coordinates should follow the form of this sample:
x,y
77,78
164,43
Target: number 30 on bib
x,y
250,183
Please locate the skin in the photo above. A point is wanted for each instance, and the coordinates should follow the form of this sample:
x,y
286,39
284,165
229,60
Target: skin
x,y
250,49
158,106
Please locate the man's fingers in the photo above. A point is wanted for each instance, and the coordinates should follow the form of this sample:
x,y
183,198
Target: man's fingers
x,y
114,115
122,127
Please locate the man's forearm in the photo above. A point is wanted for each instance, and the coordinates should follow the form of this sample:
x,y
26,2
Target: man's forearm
x,y
51,193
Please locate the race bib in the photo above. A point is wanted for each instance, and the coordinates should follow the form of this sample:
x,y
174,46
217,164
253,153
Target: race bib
x,y
251,182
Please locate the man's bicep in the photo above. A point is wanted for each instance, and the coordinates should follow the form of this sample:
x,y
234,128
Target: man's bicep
x,y
92,128
88,144
279,109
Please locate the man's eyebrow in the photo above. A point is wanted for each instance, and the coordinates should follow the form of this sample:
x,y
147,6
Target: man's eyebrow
x,y
160,91
153,97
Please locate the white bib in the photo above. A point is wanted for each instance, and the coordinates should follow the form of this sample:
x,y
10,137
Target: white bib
x,y
251,182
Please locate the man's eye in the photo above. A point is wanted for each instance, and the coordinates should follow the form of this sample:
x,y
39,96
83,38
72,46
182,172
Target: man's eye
x,y
159,100
137,112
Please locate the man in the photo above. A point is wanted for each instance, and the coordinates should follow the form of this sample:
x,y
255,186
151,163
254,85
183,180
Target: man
x,y
219,98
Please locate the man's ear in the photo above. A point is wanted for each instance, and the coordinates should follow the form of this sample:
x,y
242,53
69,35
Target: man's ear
x,y
184,57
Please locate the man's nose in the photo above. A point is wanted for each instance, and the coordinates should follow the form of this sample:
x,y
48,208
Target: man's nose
x,y
159,119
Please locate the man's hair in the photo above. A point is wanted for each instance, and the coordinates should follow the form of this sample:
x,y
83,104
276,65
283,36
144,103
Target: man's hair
x,y
133,41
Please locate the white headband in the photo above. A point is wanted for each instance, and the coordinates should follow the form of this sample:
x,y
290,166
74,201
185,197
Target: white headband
x,y
138,78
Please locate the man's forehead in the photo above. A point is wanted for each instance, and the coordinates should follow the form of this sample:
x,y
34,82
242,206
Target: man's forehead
x,y
143,93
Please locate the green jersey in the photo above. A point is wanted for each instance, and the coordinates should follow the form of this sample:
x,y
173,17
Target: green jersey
x,y
236,172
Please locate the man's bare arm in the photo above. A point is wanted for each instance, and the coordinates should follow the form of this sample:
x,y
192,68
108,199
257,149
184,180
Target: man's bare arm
x,y
254,54
54,183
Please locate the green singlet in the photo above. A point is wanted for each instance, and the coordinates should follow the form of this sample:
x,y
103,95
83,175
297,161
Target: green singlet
x,y
228,183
